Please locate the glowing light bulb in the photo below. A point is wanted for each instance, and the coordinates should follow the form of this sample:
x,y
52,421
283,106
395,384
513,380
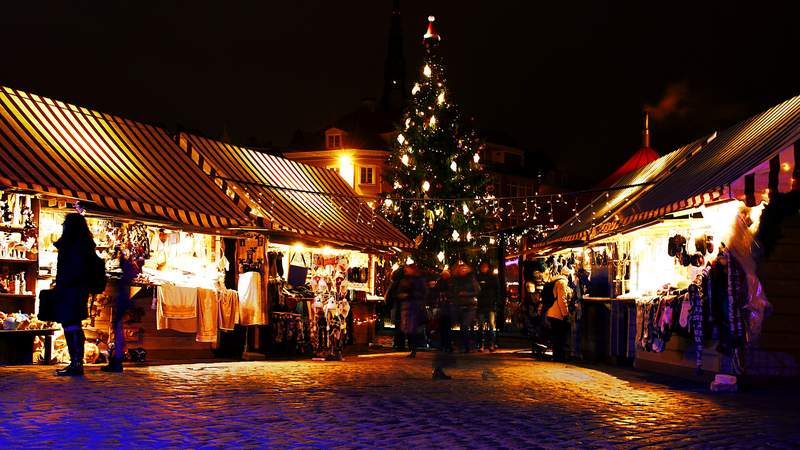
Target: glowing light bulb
x,y
492,241
465,208
440,98
476,157
426,186
456,235
433,121
427,71
408,123
404,159
440,256
415,89
387,202
401,138
453,166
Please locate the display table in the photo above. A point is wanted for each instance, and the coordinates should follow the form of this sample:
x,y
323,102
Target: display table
x,y
16,347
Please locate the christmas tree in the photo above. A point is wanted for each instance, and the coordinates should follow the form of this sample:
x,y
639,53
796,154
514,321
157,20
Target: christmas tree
x,y
438,197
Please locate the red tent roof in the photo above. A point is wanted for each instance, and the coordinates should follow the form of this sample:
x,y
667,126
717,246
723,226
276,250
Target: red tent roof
x,y
641,158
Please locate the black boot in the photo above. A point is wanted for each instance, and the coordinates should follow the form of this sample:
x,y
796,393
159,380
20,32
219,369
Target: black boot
x,y
75,345
114,365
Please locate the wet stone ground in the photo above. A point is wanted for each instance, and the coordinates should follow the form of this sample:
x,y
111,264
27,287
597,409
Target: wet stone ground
x,y
494,401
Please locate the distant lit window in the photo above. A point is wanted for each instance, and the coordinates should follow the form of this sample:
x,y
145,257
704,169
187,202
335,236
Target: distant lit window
x,y
367,175
335,141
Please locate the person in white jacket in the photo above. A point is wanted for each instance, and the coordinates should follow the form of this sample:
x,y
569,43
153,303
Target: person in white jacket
x,y
558,313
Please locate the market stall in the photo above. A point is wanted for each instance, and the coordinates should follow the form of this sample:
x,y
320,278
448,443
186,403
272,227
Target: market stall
x,y
111,170
321,249
675,259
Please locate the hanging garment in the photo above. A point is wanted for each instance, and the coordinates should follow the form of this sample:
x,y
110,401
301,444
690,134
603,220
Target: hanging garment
x,y
207,312
228,301
176,308
252,310
696,322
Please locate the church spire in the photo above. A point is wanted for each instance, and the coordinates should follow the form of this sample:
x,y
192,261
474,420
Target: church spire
x,y
394,87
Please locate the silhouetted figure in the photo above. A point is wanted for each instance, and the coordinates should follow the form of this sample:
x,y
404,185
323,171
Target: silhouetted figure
x,y
445,313
487,306
399,341
122,302
411,293
464,291
75,247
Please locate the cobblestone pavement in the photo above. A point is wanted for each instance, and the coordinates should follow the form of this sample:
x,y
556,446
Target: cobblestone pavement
x,y
494,401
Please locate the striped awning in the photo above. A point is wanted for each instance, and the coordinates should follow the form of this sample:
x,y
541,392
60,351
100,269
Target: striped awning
x,y
127,167
748,161
291,197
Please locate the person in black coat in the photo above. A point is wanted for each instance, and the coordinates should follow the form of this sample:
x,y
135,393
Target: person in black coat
x,y
75,247
487,306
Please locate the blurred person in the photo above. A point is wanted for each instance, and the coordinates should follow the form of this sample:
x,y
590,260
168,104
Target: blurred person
x,y
399,340
75,247
411,294
464,289
444,358
121,304
487,306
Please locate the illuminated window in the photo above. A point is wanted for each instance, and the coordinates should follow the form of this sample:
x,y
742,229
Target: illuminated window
x,y
367,175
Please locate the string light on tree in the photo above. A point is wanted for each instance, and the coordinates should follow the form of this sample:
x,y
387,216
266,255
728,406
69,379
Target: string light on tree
x,y
444,167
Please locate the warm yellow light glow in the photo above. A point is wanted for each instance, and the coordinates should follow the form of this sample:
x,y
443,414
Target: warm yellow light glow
x,y
404,159
440,256
440,98
409,261
427,71
453,166
395,266
433,121
387,203
401,138
408,123
495,271
426,186
415,89
465,208
786,167
298,247
346,169
492,241
456,235
327,251
476,157
469,235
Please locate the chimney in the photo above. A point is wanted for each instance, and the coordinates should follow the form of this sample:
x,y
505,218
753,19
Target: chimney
x,y
646,130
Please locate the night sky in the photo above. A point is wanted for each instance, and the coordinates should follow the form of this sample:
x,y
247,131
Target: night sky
x,y
566,79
